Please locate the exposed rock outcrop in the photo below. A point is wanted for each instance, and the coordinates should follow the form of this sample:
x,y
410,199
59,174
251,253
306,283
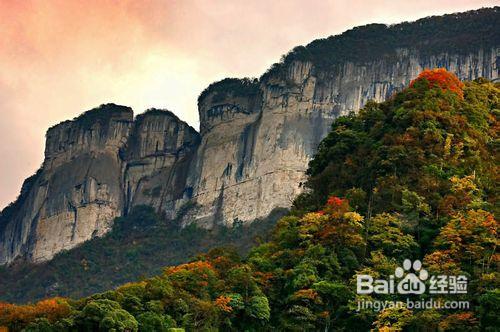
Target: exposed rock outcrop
x,y
255,148
256,136
158,154
78,190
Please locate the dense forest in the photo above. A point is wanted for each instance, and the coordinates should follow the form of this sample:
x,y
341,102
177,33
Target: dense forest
x,y
410,178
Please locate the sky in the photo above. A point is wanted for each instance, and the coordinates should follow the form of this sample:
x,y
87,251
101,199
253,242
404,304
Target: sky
x,y
59,58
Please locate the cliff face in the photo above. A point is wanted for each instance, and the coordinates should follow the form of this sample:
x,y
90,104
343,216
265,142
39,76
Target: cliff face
x,y
96,168
255,149
159,152
78,191
256,139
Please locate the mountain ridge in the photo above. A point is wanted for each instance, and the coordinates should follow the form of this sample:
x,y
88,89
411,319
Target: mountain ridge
x,y
255,141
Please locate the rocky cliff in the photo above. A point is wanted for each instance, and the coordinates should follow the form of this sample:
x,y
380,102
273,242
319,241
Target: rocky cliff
x,y
78,190
158,154
256,136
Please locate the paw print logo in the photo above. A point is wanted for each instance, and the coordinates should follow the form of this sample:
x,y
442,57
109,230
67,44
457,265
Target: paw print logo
x,y
411,283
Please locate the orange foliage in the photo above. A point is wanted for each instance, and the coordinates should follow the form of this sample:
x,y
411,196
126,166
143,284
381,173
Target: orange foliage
x,y
52,309
306,294
441,261
335,206
334,224
264,278
340,234
440,77
222,263
222,302
334,201
459,320
324,314
470,235
198,266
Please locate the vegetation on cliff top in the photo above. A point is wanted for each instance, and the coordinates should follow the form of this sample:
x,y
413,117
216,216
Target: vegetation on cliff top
x,y
453,33
413,177
101,114
234,87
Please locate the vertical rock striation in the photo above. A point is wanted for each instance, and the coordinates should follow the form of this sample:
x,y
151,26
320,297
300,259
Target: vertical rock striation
x,y
256,136
158,155
78,190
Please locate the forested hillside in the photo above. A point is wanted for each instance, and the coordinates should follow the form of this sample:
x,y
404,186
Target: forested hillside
x,y
410,178
139,246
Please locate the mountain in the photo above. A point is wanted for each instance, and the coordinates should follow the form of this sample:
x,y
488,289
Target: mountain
x,y
255,141
409,180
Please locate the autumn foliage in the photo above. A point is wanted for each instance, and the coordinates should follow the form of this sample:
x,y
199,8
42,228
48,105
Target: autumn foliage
x,y
414,177
198,266
52,309
441,78
222,302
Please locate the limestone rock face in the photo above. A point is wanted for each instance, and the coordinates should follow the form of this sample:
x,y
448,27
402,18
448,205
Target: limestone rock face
x,y
160,150
255,141
96,168
255,147
349,85
78,191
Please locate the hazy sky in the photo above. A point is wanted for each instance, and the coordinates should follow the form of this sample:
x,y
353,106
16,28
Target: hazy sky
x,y
59,58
